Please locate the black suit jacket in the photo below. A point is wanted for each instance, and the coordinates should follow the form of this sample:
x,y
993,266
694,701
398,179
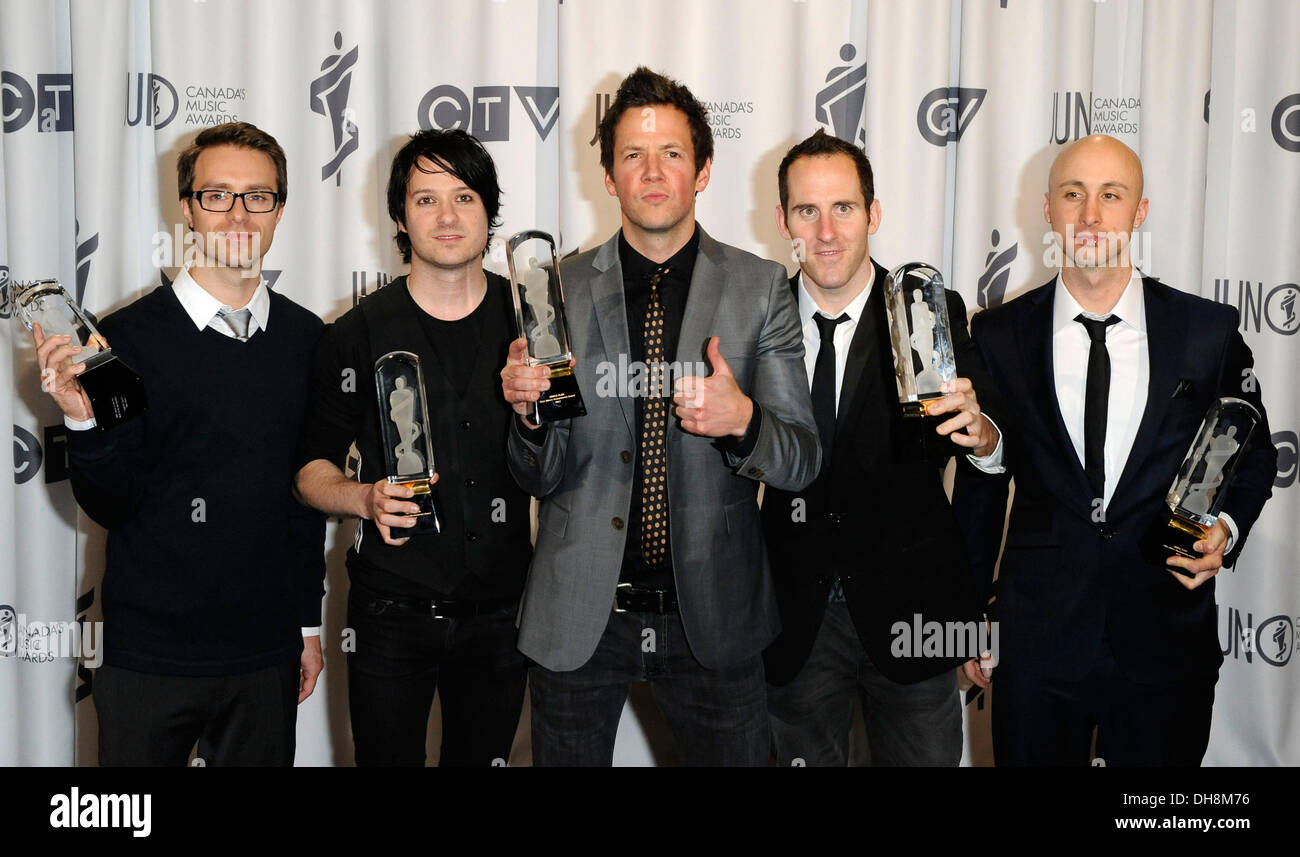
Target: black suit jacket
x,y
877,515
1071,575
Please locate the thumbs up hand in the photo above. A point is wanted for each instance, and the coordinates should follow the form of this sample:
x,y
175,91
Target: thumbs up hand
x,y
713,406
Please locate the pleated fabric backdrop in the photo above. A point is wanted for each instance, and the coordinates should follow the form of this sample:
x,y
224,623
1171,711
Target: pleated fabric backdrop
x,y
961,106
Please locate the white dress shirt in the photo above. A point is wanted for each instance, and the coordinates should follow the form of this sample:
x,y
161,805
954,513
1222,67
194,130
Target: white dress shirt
x,y
844,331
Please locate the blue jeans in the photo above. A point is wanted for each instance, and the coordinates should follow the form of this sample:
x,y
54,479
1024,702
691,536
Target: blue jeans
x,y
403,656
717,717
907,724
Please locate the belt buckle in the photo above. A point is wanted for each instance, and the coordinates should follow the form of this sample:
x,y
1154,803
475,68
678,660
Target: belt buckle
x,y
433,609
618,609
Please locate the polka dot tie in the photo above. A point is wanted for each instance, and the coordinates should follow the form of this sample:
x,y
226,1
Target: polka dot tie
x,y
654,428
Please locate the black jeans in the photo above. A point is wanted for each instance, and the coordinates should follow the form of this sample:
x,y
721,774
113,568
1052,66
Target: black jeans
x,y
717,717
403,655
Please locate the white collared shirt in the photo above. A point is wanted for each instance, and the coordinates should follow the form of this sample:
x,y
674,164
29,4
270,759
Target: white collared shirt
x,y
812,337
1130,370
844,331
202,307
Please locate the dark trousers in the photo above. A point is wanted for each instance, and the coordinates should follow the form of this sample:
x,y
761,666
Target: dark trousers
x,y
717,717
907,724
402,656
154,720
1049,720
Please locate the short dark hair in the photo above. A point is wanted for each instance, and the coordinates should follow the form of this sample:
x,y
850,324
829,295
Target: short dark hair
x,y
242,134
455,152
645,88
823,144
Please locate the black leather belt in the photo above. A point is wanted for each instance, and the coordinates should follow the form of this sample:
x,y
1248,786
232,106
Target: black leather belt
x,y
442,608
638,599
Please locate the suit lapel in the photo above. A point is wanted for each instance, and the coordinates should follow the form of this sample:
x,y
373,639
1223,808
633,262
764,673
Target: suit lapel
x,y
611,314
867,363
707,283
1166,338
1035,335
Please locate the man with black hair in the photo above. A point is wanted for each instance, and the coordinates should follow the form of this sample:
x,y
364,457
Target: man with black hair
x,y
841,605
649,561
212,587
431,611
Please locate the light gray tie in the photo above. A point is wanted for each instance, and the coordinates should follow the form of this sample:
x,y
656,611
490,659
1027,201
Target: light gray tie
x,y
237,321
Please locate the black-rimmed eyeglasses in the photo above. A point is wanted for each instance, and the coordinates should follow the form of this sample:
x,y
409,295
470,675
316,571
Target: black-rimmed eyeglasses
x,y
255,201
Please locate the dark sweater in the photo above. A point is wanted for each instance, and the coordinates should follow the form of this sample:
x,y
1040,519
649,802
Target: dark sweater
x,y
212,566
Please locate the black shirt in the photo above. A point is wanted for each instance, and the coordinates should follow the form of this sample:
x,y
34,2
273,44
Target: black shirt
x,y
482,551
674,288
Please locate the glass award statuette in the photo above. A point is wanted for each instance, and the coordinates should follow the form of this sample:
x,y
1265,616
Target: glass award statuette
x,y
917,312
404,432
539,314
115,391
1197,495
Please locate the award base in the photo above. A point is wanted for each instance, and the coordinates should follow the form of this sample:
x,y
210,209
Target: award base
x,y
1172,536
426,520
116,393
914,410
563,400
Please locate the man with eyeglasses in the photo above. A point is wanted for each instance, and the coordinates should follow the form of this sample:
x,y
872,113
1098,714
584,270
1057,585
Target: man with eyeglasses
x,y
213,581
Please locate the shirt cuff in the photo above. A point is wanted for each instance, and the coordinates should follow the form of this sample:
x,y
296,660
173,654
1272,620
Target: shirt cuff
x,y
1233,533
78,425
311,632
991,463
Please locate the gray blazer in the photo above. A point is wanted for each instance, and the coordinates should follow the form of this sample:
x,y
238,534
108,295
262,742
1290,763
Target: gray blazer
x,y
583,469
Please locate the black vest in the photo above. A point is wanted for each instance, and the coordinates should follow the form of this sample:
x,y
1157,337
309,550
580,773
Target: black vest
x,y
483,549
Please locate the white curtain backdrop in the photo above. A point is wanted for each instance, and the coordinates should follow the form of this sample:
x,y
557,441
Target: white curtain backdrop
x,y
960,105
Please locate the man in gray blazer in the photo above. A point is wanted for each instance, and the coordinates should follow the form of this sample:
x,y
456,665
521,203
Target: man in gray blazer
x,y
650,563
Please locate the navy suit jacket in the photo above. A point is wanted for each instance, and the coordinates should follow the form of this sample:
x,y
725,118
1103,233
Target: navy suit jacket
x,y
1072,575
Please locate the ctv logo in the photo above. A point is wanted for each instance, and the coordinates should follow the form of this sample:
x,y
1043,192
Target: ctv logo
x,y
946,112
51,99
486,114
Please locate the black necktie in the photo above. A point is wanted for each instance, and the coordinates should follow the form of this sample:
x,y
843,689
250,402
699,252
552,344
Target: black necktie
x,y
654,425
1094,401
823,385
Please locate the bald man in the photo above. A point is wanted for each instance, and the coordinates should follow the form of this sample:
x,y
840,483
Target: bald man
x,y
1106,374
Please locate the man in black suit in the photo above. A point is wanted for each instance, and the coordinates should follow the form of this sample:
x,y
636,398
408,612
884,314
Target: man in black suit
x,y
1107,375
847,608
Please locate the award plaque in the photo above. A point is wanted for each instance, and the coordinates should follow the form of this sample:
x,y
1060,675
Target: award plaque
x,y
1197,495
917,312
404,432
115,391
538,296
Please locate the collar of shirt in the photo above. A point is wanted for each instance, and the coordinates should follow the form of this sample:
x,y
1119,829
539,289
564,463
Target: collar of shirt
x,y
201,306
1130,308
808,307
812,338
680,265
